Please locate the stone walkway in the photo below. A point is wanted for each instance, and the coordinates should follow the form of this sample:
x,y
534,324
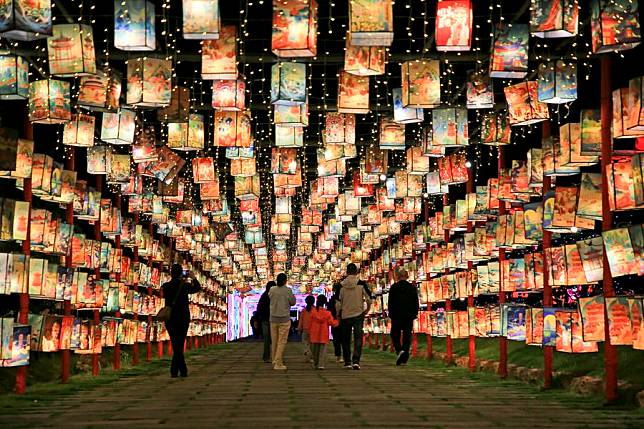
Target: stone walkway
x,y
230,387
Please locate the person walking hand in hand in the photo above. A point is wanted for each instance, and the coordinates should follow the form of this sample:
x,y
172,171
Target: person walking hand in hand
x,y
321,321
281,300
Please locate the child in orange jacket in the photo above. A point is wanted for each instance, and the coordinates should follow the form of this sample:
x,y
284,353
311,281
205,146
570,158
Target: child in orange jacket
x,y
305,324
321,321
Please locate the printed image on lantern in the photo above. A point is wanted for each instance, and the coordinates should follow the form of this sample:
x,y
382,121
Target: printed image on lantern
x,y
49,101
353,94
453,25
294,28
118,128
328,187
417,162
620,115
149,82
371,22
364,60
289,137
187,137
229,94
209,190
523,105
232,129
635,108
291,116
421,84
570,147
614,25
97,159
449,127
335,167
118,168
201,19
288,84
340,128
392,135
101,91
203,170
25,20
71,50
557,82
496,130
219,57
405,115
554,18
590,132
479,92
247,188
134,25
510,51
242,167
179,108
14,78
79,131
340,151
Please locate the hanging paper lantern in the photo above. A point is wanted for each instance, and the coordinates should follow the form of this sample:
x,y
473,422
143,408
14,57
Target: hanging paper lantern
x,y
340,151
284,161
229,95
289,137
557,82
97,159
240,152
149,82
496,130
417,162
232,129
288,83
621,111
201,20
449,127
25,20
209,191
371,22
364,60
179,108
14,78
453,25
392,135
187,136
614,25
479,92
554,18
219,57
570,147
134,25
71,50
49,101
328,187
118,168
101,91
295,28
144,148
203,170
243,167
118,128
329,168
405,115
340,128
421,84
291,116
247,188
590,132
523,104
80,131
429,149
353,93
635,108
510,51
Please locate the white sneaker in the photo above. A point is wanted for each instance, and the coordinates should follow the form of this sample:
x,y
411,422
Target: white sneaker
x,y
339,359
320,367
279,367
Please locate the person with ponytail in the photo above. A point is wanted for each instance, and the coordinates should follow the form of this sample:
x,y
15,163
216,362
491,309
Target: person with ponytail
x,y
304,324
321,321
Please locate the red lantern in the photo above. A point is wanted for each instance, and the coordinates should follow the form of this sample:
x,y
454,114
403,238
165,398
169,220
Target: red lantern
x,y
295,28
453,25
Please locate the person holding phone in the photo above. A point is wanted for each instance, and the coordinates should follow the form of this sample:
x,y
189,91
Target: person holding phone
x,y
176,291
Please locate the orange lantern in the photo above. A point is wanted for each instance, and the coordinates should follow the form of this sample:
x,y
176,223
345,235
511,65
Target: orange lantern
x,y
421,84
80,131
49,101
203,170
219,56
340,128
353,93
247,188
614,25
229,95
454,25
554,18
149,82
294,28
118,128
232,129
417,162
371,22
364,60
392,135
523,104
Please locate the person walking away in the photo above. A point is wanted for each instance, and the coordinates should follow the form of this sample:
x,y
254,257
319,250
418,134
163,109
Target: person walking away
x,y
304,325
321,320
264,315
353,304
281,300
176,293
336,331
403,310
254,325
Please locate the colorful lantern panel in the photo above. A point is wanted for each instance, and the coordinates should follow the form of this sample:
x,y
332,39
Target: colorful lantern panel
x,y
118,128
25,20
71,50
353,93
289,137
371,22
417,162
570,147
179,108
219,57
364,60
291,116
203,170
554,18
229,95
187,136
523,104
405,115
621,117
635,107
101,91
232,129
149,82
134,25
590,131
49,101
510,51
557,82
421,84
479,92
201,19
288,84
449,127
614,25
14,78
80,131
340,128
295,28
454,25
496,130
247,188
392,135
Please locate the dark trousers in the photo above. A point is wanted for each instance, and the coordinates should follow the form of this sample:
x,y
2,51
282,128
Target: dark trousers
x,y
266,333
178,333
337,341
401,327
354,324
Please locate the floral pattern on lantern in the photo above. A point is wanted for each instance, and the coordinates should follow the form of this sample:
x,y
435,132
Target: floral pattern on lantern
x,y
219,57
421,84
449,127
364,60
291,116
635,108
294,28
25,20
14,78
179,108
289,137
229,95
392,135
232,129
371,22
353,93
101,91
79,131
614,25
49,101
554,18
479,92
201,19
405,115
523,104
621,118
149,82
417,162
288,84
340,128
134,25
510,51
71,50
496,130
187,136
454,25
570,147
118,128
557,82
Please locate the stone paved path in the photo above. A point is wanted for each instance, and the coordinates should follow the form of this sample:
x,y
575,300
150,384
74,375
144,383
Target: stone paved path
x,y
230,387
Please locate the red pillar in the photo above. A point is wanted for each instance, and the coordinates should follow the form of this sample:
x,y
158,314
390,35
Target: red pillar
x,y
160,349
503,341
67,305
414,345
548,351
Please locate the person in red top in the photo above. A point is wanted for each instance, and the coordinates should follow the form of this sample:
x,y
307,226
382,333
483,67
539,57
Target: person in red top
x,y
321,321
304,323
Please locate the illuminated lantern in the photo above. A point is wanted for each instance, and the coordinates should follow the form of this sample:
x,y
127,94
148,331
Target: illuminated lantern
x,y
405,115
523,104
496,130
179,108
510,51
295,28
289,137
417,162
421,84
340,151
353,93
291,116
329,168
118,168
201,20
371,22
328,187
429,149
621,115
392,135
554,18
557,82
614,25
219,57
49,101
229,94
209,190
118,128
14,78
635,108
376,161
203,170
187,136
243,167
80,131
590,131
364,60
454,25
134,25
570,147
101,91
25,20
288,84
287,182
232,129
240,152
247,188
71,50
340,128
479,92
449,127
149,82
284,161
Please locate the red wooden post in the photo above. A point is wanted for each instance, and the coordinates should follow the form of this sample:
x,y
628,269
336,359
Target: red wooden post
x,y
377,341
449,353
384,342
503,341
414,345
159,349
548,351
610,351
471,362
97,276
67,305
117,244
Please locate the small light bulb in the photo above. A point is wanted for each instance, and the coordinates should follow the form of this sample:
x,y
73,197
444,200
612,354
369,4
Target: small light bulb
x,y
468,164
383,177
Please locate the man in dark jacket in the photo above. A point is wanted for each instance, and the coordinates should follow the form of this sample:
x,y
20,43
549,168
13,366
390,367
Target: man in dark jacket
x,y
403,310
263,317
